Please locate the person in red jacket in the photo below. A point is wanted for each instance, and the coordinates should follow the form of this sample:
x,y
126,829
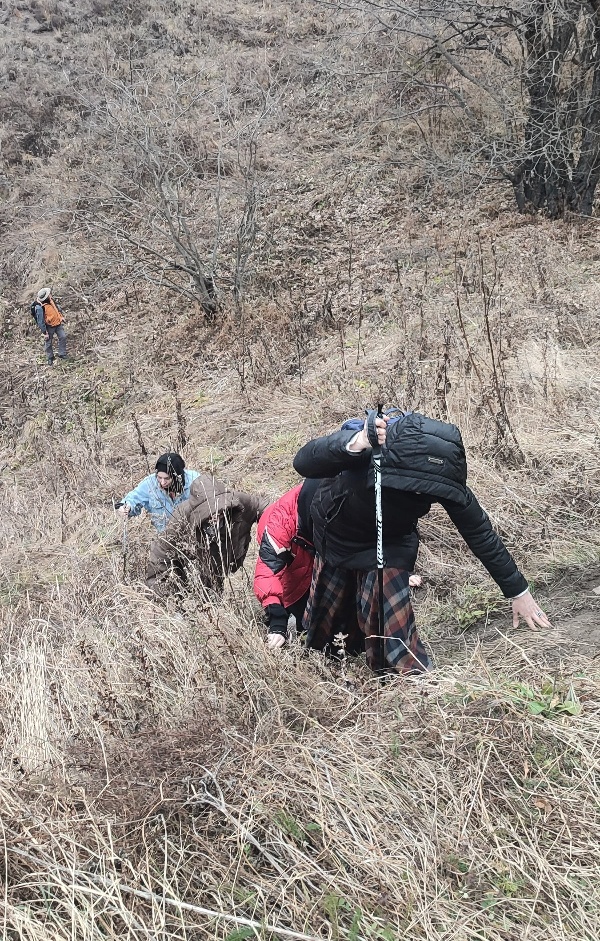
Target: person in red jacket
x,y
285,559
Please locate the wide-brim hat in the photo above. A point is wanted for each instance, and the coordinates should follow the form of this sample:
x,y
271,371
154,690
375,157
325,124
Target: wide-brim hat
x,y
43,295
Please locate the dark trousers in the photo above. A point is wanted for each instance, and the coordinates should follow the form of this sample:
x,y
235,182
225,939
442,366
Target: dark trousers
x,y
297,609
58,332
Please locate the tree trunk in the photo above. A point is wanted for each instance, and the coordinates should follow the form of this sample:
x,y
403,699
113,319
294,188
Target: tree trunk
x,y
561,53
587,171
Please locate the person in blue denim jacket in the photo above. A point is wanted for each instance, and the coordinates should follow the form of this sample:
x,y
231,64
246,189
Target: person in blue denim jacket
x,y
160,493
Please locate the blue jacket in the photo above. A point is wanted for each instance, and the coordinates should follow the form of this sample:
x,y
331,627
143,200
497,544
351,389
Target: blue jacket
x,y
150,497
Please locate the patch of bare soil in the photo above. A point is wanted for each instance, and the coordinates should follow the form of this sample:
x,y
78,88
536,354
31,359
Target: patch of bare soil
x,y
575,612
572,604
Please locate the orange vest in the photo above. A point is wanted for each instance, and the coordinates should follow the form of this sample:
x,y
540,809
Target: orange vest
x,y
52,315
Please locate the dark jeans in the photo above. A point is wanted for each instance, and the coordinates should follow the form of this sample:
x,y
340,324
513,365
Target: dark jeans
x,y
297,609
62,342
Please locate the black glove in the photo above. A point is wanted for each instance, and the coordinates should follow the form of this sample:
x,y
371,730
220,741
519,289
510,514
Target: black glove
x,y
277,618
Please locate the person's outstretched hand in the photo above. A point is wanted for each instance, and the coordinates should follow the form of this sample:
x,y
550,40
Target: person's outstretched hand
x,y
275,641
527,608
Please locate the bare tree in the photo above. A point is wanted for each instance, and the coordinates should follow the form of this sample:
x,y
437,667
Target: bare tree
x,y
152,225
561,139
520,80
172,173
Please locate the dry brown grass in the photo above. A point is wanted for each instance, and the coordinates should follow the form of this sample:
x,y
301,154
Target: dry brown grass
x,y
161,775
430,809
165,777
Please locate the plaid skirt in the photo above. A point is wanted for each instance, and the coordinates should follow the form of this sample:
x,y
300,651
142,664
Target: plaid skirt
x,y
346,602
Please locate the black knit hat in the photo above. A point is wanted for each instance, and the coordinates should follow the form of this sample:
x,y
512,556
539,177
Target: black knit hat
x,y
172,464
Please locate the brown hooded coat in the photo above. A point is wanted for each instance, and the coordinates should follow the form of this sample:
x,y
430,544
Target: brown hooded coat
x,y
211,529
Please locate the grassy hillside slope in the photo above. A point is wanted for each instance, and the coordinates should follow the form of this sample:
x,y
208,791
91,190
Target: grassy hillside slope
x,y
161,775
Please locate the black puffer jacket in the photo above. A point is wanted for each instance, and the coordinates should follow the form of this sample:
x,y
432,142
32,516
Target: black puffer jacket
x,y
343,514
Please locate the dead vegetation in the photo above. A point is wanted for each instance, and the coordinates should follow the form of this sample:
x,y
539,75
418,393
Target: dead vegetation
x,y
282,804
161,776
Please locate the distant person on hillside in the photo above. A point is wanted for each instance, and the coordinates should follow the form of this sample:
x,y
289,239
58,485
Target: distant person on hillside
x,y
351,594
207,536
160,493
50,320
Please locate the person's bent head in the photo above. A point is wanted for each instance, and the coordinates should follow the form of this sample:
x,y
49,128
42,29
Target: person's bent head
x,y
43,295
170,473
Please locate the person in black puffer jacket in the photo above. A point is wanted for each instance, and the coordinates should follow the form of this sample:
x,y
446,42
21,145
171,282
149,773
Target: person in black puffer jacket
x,y
344,593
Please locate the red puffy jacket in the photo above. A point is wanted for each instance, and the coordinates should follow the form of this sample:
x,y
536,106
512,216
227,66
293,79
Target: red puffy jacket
x,y
285,559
